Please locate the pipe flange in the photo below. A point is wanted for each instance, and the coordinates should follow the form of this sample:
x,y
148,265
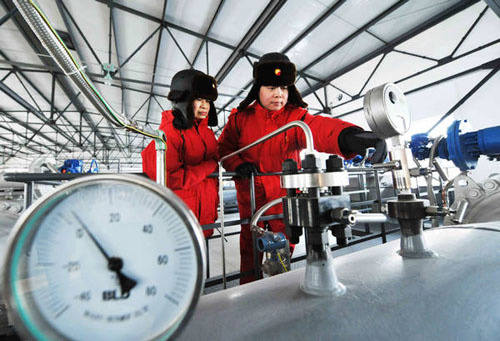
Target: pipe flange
x,y
314,180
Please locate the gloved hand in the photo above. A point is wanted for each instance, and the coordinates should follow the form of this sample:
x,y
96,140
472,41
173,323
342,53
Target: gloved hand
x,y
355,140
244,170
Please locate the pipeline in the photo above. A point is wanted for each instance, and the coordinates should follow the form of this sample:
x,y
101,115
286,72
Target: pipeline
x,y
49,38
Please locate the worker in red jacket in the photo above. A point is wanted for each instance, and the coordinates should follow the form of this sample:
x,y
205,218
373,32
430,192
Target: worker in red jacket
x,y
191,145
272,102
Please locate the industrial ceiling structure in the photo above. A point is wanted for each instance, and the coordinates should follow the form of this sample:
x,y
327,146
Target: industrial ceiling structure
x,y
131,50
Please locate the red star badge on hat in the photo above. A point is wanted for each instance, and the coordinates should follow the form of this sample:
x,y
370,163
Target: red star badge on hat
x,y
277,72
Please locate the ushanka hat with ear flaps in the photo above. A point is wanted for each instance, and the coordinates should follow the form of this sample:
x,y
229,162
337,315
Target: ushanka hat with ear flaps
x,y
188,85
274,69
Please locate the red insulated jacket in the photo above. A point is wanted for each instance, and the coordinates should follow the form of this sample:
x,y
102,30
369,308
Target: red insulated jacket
x,y
191,157
254,122
250,124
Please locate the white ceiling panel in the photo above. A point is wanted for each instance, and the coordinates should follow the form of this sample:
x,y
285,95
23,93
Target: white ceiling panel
x,y
235,80
408,16
349,106
486,30
95,27
217,55
360,12
235,19
336,96
194,15
153,8
347,54
281,26
452,68
396,66
352,81
443,37
131,32
331,32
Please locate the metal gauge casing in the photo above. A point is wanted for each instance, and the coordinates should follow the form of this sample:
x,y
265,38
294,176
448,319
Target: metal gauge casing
x,y
386,111
105,257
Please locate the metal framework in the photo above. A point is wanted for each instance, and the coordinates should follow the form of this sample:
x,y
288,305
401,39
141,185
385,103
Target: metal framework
x,y
95,136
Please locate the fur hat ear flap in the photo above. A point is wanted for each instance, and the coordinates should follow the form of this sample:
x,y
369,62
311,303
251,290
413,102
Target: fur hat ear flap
x,y
295,98
212,115
253,94
183,115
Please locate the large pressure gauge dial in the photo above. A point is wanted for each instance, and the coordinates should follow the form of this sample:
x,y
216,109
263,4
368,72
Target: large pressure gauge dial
x,y
104,257
386,111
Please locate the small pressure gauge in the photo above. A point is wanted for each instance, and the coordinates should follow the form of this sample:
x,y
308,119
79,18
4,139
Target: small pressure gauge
x,y
386,111
104,257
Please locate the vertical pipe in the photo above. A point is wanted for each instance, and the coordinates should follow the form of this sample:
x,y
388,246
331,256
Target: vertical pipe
x,y
161,149
256,262
208,258
28,194
221,205
379,204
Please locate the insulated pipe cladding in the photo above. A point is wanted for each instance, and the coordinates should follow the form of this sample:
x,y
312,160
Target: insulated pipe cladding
x,y
387,297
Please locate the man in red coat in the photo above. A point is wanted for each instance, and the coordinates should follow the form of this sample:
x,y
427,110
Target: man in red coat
x,y
191,145
272,102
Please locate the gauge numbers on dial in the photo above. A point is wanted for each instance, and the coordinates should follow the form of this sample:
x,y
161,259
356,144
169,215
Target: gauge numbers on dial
x,y
115,258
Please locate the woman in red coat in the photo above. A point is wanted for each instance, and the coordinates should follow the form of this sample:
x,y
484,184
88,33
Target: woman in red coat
x,y
272,102
191,145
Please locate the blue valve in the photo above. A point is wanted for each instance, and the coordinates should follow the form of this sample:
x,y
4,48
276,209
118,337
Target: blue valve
x,y
463,149
271,242
71,166
94,167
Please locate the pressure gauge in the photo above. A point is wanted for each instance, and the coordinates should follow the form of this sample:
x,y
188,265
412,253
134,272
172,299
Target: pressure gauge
x,y
386,111
104,257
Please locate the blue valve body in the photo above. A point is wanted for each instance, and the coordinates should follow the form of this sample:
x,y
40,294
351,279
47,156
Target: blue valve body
x,y
71,166
464,150
271,242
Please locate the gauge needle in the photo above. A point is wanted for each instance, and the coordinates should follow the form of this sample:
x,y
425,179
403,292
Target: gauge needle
x,y
114,263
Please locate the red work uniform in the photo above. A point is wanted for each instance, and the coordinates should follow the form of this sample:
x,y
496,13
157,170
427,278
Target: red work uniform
x,y
243,128
191,157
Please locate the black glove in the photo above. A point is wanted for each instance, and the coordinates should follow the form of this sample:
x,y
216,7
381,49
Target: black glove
x,y
355,140
244,170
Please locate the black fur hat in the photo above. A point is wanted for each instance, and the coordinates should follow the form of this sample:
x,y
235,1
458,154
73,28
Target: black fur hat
x,y
186,86
274,69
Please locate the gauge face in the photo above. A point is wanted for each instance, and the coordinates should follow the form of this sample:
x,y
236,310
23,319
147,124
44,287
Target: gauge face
x,y
396,108
386,111
106,258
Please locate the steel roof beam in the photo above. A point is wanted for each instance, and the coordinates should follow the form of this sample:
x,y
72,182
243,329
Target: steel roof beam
x,y
7,16
315,24
63,9
12,94
388,47
20,145
356,34
36,45
118,140
28,127
155,62
258,26
214,18
65,14
164,22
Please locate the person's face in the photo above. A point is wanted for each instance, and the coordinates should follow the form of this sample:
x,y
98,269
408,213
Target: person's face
x,y
273,97
201,107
